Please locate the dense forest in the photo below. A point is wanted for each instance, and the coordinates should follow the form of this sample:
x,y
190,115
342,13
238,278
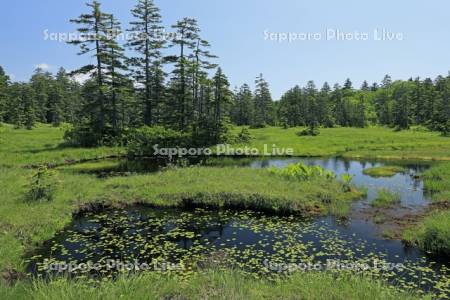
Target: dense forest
x,y
153,80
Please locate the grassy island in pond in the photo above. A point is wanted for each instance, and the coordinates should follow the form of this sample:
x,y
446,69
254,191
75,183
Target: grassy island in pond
x,y
386,171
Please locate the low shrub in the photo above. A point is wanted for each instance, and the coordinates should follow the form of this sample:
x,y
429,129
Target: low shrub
x,y
310,131
86,136
244,136
42,185
258,126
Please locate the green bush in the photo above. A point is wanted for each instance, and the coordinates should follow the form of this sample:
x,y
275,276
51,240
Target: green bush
x,y
244,136
85,136
258,126
310,131
42,185
81,136
141,141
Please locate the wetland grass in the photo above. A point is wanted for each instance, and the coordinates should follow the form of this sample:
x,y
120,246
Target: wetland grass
x,y
386,199
386,171
210,285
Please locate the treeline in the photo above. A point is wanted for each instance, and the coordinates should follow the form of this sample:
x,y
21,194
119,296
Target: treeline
x,y
397,104
45,99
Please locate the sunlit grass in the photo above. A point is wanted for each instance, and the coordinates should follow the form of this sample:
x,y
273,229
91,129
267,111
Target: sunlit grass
x,y
373,142
43,145
211,285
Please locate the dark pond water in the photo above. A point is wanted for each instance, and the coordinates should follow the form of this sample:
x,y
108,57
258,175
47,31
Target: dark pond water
x,y
113,241
266,246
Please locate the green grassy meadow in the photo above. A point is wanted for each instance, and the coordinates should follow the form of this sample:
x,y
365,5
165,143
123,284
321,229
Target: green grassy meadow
x,y
372,142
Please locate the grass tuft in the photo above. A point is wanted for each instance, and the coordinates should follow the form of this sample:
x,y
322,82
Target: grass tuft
x,y
432,234
386,199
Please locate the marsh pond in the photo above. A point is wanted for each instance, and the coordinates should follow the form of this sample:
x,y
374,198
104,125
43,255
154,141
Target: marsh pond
x,y
106,242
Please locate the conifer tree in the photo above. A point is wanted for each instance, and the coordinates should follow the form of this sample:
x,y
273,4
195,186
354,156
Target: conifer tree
x,y
324,114
365,86
186,38
348,85
114,68
400,107
148,42
41,83
264,113
4,83
339,108
243,110
94,28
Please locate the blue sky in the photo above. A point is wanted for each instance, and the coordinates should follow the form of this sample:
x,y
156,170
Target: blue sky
x,y
236,30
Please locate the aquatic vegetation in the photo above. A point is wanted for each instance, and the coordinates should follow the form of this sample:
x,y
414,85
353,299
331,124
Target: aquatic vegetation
x,y
347,181
432,234
303,172
437,182
386,198
385,171
193,241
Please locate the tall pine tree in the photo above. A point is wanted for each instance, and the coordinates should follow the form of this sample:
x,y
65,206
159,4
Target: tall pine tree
x,y
146,66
